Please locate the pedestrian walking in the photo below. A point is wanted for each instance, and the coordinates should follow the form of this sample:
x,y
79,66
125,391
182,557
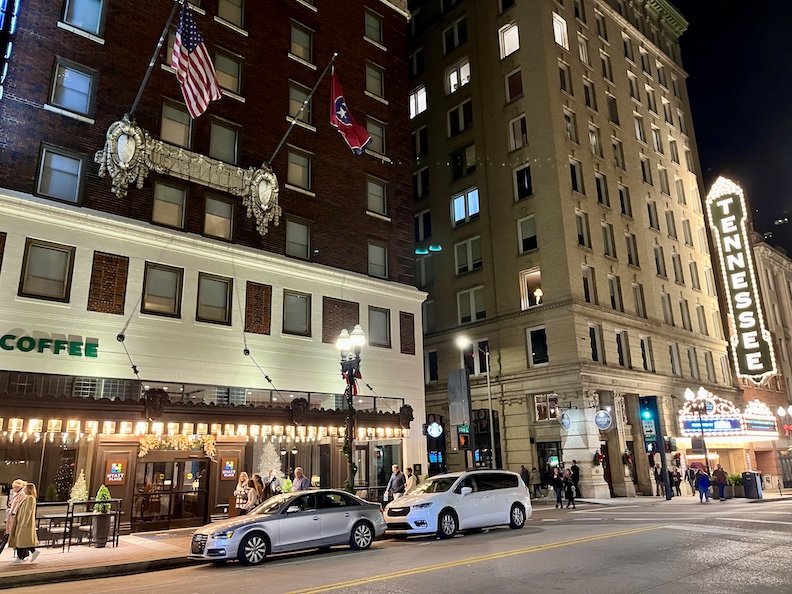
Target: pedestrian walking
x,y
396,484
272,486
719,477
241,493
702,485
536,483
410,480
301,482
676,480
575,470
23,535
525,475
557,482
670,482
15,498
569,488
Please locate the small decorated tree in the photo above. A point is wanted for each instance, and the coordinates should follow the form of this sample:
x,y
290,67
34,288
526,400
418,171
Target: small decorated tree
x,y
269,459
102,495
79,492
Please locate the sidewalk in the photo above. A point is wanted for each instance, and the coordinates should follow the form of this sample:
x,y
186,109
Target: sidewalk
x,y
138,553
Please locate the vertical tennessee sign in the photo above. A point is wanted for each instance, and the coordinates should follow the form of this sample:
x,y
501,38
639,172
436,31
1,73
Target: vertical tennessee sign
x,y
752,345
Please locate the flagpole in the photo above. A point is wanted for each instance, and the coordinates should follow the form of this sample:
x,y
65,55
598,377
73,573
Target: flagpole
x,y
302,108
176,5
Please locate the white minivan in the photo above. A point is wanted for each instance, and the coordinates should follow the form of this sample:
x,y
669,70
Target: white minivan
x,y
446,503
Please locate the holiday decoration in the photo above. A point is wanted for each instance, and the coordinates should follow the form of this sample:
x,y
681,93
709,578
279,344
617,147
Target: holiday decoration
x,y
79,492
269,460
598,458
180,443
627,459
63,478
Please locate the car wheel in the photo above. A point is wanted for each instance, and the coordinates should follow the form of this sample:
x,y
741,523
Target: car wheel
x,y
253,549
517,517
446,524
362,536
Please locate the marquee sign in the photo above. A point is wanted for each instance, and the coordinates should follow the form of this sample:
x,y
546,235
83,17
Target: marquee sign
x,y
712,416
752,345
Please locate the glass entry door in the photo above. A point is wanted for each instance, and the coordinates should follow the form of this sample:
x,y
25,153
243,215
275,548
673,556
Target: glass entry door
x,y
170,495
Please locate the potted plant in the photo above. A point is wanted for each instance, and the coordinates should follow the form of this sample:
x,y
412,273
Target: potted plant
x,y
101,521
734,482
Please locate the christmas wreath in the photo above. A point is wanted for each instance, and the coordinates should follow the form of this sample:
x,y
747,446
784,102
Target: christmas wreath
x,y
627,459
598,458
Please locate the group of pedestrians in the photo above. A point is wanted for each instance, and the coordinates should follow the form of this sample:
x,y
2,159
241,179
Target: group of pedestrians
x,y
674,480
400,483
251,491
20,530
565,483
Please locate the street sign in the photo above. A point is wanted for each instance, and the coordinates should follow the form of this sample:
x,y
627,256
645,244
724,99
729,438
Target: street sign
x,y
649,428
463,428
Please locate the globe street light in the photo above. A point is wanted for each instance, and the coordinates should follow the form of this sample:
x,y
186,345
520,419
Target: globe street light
x,y
463,342
350,345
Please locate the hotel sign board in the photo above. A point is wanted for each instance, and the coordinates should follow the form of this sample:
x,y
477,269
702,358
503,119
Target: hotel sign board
x,y
752,346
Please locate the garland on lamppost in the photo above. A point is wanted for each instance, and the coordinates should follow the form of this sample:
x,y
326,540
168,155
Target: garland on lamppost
x,y
350,345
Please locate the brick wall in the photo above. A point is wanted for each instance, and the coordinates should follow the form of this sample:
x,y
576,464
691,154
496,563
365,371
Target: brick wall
x,y
407,332
338,314
258,308
107,291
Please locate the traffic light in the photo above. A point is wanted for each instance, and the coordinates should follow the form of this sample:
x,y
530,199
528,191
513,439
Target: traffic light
x,y
648,407
463,441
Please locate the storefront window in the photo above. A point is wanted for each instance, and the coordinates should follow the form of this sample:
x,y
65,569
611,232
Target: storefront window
x,y
546,407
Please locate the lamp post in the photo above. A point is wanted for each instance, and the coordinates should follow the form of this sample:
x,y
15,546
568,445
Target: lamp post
x,y
697,406
464,342
784,413
350,345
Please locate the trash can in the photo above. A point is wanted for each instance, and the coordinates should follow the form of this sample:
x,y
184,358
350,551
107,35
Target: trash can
x,y
752,485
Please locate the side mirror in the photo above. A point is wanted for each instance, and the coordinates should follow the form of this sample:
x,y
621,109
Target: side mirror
x,y
465,491
292,509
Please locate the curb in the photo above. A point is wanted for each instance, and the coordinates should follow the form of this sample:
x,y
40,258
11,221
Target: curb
x,y
88,573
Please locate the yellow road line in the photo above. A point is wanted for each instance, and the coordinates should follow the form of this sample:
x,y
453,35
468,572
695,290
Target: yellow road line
x,y
468,561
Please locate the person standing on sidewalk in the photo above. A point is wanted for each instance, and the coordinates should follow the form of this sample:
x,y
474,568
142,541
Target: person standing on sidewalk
x,y
410,481
23,535
525,475
557,482
702,484
691,479
659,485
720,481
241,493
536,483
569,489
15,498
575,469
676,480
396,484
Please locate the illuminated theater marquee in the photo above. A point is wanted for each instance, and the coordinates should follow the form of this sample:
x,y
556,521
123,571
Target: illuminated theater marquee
x,y
752,345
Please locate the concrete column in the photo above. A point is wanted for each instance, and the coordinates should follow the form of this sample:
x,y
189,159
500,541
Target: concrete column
x,y
617,444
581,441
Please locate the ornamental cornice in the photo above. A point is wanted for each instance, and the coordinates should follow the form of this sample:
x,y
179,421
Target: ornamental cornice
x,y
669,14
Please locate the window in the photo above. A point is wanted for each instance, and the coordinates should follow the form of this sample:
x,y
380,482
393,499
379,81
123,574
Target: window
x,y
219,217
632,80
618,154
646,171
175,125
420,141
463,162
614,288
709,279
522,182
703,244
526,229
675,86
531,293
47,271
229,71
682,125
651,208
595,342
628,48
537,348
296,313
684,312
455,35
607,240
570,125
580,12
470,305
661,75
668,313
583,50
665,188
679,277
667,113
457,75
651,99
589,285
298,239
430,366
693,363
418,102
673,355
465,207
85,15
475,359
632,249
589,94
424,271
231,11
298,95
680,190
659,260
518,133
602,31
377,132
576,176
546,406
646,353
657,141
377,197
701,315
605,63
710,364
460,118
375,80
689,160
671,223
581,222
694,275
565,77
646,65
72,87
640,133
594,140
623,348
624,201
423,225
374,29
468,255
514,88
601,183
725,370
60,174
224,142
613,110
510,39
214,299
560,31
379,327
638,299
298,172
421,183
169,204
302,43
378,260
162,290
506,4
416,62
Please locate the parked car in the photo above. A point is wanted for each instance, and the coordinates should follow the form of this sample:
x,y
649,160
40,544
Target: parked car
x,y
446,503
290,522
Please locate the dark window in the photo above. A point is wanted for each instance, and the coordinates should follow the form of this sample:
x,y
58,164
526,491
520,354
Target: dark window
x,y
524,185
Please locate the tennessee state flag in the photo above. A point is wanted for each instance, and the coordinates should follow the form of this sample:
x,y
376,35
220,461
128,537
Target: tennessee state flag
x,y
356,136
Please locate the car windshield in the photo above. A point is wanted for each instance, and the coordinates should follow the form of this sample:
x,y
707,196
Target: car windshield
x,y
271,505
438,485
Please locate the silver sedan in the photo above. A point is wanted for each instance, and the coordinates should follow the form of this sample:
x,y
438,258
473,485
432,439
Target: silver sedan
x,y
291,522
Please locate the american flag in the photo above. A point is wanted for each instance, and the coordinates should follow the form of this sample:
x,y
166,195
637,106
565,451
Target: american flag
x,y
193,66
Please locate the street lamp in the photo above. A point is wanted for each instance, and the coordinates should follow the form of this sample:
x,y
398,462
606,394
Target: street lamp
x,y
350,344
697,405
463,342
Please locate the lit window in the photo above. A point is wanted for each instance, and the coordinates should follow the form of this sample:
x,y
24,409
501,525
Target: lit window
x,y
379,327
47,271
214,299
296,313
231,11
72,88
298,239
60,174
223,142
457,75
560,31
175,125
465,207
229,71
546,406
169,204
377,260
531,293
85,14
219,217
418,102
162,289
302,43
377,198
509,39
298,172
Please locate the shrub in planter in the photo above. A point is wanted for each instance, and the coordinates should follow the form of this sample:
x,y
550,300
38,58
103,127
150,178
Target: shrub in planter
x,y
101,521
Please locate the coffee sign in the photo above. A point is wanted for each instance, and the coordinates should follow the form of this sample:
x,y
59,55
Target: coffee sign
x,y
752,345
26,344
115,471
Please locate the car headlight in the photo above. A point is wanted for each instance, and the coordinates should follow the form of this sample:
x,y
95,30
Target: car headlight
x,y
422,505
223,534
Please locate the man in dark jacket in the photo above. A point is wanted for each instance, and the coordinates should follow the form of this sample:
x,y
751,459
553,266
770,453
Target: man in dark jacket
x,y
720,481
575,469
396,484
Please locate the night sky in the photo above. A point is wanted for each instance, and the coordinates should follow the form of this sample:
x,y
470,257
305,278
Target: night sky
x,y
738,57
